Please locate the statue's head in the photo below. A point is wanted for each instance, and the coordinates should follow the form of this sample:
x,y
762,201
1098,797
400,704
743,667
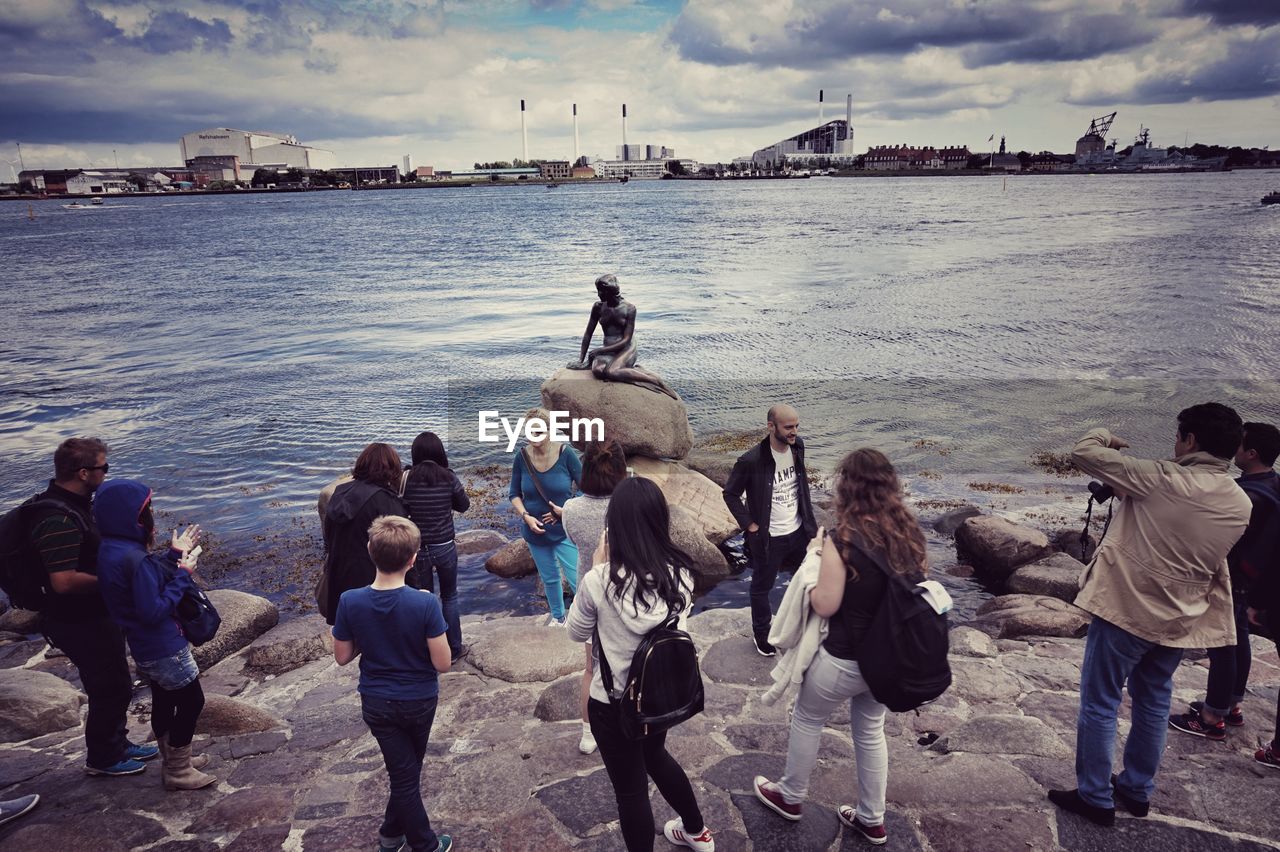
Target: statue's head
x,y
607,286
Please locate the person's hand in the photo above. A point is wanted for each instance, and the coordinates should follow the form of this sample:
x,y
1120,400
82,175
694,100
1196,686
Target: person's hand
x,y
1117,443
753,527
1255,616
558,510
185,542
816,543
549,518
602,549
534,523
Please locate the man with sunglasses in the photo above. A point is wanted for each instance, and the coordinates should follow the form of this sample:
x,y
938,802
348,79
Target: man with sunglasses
x,y
74,617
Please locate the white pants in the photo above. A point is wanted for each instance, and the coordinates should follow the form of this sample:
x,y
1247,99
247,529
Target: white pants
x,y
828,681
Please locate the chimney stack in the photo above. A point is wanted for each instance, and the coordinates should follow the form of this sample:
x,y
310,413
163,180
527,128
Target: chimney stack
x,y
626,155
576,155
524,133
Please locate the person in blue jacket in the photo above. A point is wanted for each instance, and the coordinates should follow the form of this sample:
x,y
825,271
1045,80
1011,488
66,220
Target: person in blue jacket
x,y
142,591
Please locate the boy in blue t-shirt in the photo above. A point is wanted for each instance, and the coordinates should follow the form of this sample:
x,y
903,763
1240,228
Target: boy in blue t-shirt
x,y
399,634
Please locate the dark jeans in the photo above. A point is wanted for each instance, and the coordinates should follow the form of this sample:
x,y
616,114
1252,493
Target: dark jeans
x,y
174,712
630,764
784,552
443,558
96,649
1229,666
401,729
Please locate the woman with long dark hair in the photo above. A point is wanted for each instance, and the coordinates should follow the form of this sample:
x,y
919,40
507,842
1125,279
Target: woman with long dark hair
x,y
142,593
604,465
638,579
432,493
371,493
873,524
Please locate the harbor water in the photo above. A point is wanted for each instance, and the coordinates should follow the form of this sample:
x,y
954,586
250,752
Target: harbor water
x,y
237,351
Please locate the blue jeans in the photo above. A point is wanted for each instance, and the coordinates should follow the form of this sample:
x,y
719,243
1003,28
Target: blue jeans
x,y
551,559
401,729
443,560
1112,658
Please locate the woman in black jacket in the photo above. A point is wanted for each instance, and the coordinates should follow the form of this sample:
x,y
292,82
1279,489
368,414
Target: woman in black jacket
x,y
432,493
354,506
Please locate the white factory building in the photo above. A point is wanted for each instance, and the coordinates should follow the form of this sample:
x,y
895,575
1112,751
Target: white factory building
x,y
254,148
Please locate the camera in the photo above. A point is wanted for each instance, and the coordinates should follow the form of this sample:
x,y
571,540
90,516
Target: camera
x,y
1100,492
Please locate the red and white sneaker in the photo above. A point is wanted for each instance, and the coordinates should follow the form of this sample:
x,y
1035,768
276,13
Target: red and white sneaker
x,y
675,833
1268,756
770,795
873,834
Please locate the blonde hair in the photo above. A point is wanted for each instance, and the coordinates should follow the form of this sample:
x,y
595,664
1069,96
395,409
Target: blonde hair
x,y
393,541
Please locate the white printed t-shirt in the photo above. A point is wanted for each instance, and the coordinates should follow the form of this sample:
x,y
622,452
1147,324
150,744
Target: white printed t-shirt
x,y
784,514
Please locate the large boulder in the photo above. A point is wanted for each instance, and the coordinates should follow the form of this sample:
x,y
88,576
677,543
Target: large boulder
x,y
290,645
523,650
560,700
1057,576
36,703
1016,616
479,541
22,621
714,466
691,491
709,562
511,561
642,421
949,522
1068,541
224,716
245,617
995,547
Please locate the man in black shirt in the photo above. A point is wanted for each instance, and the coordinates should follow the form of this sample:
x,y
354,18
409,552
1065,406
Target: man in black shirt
x,y
74,617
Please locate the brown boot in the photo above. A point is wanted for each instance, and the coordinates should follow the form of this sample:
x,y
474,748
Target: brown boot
x,y
198,761
179,774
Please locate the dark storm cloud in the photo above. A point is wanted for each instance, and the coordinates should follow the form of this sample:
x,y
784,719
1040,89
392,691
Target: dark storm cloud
x,y
1262,13
1069,39
1249,68
821,31
178,32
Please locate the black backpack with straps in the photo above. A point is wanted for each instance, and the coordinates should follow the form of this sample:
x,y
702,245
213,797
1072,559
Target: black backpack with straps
x,y
664,686
22,574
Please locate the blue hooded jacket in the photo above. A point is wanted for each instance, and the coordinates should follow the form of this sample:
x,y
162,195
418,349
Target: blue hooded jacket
x,y
141,590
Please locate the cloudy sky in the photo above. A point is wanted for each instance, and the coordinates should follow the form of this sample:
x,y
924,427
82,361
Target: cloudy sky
x,y
83,82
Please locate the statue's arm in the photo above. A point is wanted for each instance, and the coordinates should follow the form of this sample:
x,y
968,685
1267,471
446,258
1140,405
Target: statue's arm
x,y
624,342
590,332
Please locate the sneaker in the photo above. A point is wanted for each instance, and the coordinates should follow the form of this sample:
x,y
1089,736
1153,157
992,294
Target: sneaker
x,y
444,843
552,621
873,834
124,767
587,744
675,833
15,808
460,653
1069,800
1136,807
140,752
399,845
771,797
1234,719
1193,723
764,649
1268,756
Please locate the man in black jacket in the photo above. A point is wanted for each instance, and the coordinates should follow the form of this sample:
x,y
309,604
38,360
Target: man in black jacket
x,y
777,517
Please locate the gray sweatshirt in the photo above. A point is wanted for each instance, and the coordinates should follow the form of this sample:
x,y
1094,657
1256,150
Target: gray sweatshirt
x,y
583,519
622,625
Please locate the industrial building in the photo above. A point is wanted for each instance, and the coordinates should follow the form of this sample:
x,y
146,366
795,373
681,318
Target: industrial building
x,y
641,169
627,153
254,148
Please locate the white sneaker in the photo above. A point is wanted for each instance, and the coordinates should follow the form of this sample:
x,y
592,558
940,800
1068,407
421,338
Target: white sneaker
x,y
553,622
587,744
675,833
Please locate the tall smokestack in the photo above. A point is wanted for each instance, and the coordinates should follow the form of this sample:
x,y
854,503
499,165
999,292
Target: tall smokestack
x,y
819,107
524,133
625,153
848,121
575,134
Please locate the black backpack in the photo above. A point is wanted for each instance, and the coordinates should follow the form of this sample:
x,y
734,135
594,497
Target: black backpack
x,y
903,656
664,686
22,575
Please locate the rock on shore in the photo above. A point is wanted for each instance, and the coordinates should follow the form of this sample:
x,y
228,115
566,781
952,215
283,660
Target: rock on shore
x,y
298,769
643,422
996,547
